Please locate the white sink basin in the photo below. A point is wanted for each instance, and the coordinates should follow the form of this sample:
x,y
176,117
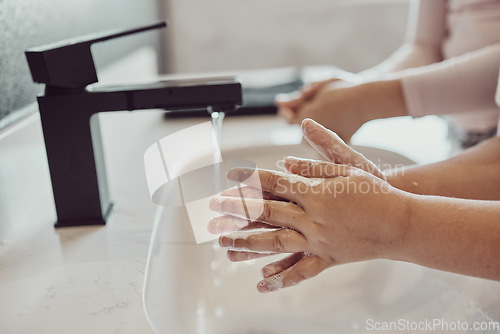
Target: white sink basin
x,y
192,288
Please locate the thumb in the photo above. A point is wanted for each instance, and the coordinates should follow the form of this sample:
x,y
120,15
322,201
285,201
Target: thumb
x,y
334,149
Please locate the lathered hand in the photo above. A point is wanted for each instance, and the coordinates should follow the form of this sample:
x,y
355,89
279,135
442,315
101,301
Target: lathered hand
x,y
344,218
334,149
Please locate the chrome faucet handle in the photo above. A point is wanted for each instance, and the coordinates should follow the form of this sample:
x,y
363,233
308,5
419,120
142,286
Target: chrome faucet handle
x,y
69,63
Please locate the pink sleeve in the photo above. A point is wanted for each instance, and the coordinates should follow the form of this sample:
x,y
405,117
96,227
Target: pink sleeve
x,y
425,33
427,25
461,84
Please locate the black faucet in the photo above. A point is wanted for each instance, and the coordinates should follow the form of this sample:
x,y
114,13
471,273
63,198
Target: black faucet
x,y
72,136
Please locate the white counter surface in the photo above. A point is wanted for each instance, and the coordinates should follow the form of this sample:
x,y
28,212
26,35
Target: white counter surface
x,y
88,279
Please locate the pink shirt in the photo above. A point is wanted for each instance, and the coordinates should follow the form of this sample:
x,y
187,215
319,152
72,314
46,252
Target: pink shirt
x,y
456,49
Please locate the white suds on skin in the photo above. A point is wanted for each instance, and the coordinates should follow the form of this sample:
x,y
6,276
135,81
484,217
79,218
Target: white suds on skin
x,y
311,182
274,282
337,151
245,234
310,162
219,199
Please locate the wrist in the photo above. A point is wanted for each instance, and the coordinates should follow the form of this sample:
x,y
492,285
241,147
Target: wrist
x,y
400,248
362,98
382,99
412,179
395,178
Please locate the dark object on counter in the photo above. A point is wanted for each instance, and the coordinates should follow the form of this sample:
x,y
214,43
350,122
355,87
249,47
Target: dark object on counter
x,y
72,136
462,140
256,101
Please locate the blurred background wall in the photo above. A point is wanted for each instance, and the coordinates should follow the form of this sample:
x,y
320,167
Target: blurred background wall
x,y
203,35
208,35
29,23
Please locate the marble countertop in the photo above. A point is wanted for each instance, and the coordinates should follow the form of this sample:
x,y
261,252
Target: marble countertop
x,y
88,279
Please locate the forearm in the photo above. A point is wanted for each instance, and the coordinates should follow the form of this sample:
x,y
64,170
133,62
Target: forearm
x,y
456,235
408,56
475,174
462,84
380,99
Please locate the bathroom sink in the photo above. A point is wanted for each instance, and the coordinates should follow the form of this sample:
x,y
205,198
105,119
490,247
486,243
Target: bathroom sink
x,y
194,288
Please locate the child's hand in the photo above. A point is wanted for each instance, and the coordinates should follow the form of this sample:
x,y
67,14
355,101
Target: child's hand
x,y
332,102
289,104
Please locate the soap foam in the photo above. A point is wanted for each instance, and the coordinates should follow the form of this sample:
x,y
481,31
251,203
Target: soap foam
x,y
274,283
219,199
292,178
336,150
244,235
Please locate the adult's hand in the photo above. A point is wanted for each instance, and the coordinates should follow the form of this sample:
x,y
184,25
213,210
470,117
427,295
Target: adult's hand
x,y
333,149
352,216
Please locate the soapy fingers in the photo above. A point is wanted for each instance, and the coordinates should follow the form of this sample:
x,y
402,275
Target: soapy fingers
x,y
276,213
274,241
238,256
317,168
305,268
284,185
278,266
250,192
228,224
334,149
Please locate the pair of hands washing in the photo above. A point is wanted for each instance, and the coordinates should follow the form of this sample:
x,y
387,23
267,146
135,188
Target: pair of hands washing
x,y
330,212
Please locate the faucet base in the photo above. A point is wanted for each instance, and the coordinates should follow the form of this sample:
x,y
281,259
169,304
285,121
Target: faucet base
x,y
86,222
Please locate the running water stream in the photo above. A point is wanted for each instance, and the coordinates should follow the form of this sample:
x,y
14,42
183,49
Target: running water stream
x,y
217,119
220,182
